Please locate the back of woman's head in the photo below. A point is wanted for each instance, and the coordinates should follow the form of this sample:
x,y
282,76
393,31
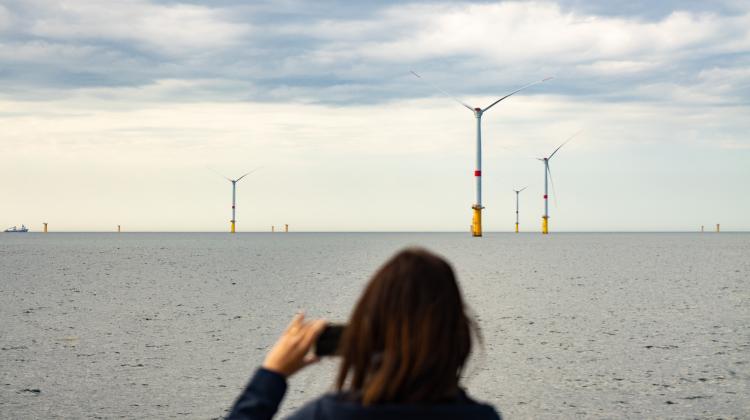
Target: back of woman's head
x,y
409,336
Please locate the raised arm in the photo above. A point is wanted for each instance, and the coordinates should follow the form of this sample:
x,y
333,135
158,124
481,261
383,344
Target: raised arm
x,y
261,398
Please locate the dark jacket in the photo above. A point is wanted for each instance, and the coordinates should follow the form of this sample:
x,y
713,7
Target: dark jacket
x,y
266,389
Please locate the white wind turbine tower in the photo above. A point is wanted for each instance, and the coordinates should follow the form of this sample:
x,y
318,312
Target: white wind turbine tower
x,y
476,225
517,193
545,160
234,195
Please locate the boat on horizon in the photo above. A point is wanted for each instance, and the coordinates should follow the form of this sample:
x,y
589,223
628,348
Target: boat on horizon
x,y
15,229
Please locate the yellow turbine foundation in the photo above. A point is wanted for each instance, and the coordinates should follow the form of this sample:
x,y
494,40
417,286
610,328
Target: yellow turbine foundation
x,y
476,223
232,222
45,228
545,229
516,227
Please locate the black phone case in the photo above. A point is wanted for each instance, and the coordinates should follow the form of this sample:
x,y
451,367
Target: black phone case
x,y
328,341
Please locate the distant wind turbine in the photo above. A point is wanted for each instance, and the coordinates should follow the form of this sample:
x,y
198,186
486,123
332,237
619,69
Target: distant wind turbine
x,y
545,160
234,195
476,225
517,193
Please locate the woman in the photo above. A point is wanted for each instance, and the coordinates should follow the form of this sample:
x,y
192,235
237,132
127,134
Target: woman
x,y
402,352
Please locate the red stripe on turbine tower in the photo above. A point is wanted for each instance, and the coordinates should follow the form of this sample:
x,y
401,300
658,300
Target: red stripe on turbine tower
x,y
545,196
477,173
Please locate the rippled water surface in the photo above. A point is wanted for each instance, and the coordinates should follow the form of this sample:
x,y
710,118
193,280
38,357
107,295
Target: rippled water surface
x,y
172,325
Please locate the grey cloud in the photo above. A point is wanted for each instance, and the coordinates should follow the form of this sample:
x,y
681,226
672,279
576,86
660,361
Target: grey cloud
x,y
654,10
5,19
341,52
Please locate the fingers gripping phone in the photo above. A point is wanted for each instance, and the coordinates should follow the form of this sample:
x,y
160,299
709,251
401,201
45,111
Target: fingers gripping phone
x,y
328,341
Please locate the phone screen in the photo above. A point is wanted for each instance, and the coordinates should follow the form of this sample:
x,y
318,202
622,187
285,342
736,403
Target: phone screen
x,y
328,341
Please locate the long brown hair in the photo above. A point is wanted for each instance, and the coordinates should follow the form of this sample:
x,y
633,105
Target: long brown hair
x,y
409,336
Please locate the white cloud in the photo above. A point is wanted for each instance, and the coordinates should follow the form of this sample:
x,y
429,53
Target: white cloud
x,y
101,149
618,67
529,33
176,28
5,18
146,121
725,79
361,59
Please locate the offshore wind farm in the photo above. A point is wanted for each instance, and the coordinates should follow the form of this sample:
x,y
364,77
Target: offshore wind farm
x,y
476,221
136,284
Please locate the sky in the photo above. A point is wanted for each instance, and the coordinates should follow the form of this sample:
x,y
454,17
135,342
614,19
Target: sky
x,y
121,113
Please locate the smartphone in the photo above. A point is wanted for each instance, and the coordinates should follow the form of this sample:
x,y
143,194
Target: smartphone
x,y
328,341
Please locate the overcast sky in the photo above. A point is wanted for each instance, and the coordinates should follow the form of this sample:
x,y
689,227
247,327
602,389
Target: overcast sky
x,y
111,112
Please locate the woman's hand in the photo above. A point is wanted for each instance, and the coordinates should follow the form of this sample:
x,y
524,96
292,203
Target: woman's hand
x,y
290,353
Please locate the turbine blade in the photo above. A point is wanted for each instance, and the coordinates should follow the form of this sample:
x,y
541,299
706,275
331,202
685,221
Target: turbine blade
x,y
443,92
217,173
564,143
523,188
552,183
247,174
516,91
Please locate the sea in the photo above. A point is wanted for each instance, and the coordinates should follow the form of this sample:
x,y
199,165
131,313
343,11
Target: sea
x,y
573,325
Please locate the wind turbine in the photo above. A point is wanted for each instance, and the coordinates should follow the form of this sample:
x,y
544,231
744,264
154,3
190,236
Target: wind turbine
x,y
517,193
476,224
234,195
545,160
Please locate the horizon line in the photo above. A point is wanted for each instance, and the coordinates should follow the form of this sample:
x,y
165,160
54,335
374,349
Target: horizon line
x,y
388,231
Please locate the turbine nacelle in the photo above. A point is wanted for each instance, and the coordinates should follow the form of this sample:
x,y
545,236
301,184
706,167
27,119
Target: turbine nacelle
x,y
233,181
479,111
